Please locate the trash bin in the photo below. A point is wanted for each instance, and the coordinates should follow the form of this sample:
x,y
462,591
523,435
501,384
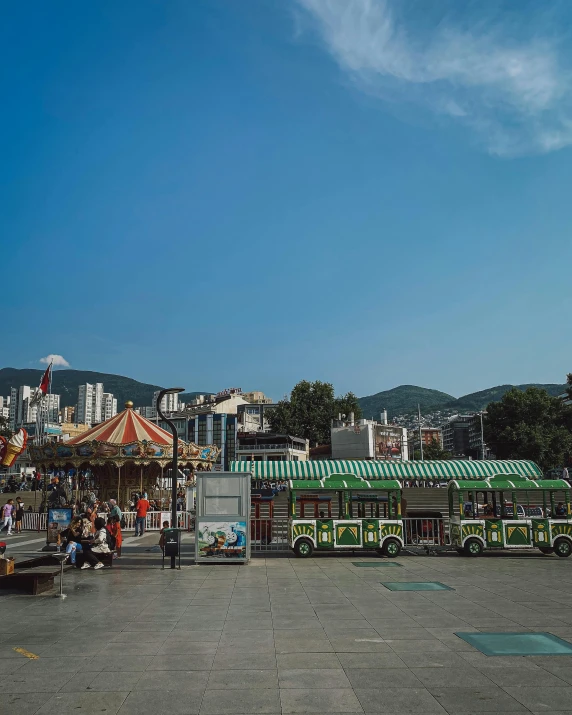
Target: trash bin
x,y
172,542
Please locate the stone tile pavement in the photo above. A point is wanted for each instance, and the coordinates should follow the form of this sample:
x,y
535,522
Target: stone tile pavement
x,y
288,636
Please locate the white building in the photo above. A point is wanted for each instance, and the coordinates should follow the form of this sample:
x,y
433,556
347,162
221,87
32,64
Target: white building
x,y
169,403
368,439
22,411
109,406
149,412
5,408
94,405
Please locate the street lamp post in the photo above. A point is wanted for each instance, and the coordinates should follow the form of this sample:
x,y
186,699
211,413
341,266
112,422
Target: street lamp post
x,y
175,464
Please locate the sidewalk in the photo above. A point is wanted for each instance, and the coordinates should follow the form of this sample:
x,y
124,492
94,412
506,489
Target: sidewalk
x,y
288,636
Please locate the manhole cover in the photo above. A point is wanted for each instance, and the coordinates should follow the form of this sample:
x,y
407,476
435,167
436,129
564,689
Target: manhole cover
x,y
517,643
417,586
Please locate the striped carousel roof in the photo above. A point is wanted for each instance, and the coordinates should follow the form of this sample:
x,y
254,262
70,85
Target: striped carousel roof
x,y
126,427
390,469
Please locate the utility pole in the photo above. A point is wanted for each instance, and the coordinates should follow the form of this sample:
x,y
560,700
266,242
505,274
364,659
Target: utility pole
x,y
420,431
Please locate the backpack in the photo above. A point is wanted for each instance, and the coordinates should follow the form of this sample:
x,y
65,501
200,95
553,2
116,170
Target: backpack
x,y
110,540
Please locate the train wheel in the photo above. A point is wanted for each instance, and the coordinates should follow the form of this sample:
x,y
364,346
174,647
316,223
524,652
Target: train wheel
x,y
303,548
546,549
473,547
391,548
562,547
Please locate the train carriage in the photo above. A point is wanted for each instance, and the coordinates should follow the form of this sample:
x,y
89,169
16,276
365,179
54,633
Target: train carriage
x,y
497,513
347,512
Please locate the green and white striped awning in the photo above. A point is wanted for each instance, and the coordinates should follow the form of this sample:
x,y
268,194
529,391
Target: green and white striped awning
x,y
435,470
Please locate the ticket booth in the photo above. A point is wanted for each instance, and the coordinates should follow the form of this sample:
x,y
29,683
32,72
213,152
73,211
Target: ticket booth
x,y
222,526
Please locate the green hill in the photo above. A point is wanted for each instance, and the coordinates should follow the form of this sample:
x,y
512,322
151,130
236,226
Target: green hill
x,y
479,400
404,398
66,382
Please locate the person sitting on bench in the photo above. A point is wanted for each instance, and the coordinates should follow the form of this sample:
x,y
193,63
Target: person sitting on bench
x,y
72,536
97,546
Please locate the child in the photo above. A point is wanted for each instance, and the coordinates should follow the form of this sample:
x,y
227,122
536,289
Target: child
x,y
162,537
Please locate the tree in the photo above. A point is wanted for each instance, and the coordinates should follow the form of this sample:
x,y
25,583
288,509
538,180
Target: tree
x,y
346,404
434,450
310,410
530,425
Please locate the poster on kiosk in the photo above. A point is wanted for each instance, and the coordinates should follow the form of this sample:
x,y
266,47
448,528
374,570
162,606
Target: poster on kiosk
x,y
222,526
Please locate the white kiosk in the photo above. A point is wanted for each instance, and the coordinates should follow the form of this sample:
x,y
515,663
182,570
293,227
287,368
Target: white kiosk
x,y
222,525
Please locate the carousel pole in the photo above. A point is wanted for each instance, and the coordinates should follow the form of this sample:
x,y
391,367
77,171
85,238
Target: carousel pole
x,y
175,463
119,486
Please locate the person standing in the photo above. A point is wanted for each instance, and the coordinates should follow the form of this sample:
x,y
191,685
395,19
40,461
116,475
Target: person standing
x,y
142,508
565,473
7,512
114,509
19,515
114,528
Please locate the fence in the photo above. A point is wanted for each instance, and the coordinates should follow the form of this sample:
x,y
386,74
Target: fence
x,y
33,521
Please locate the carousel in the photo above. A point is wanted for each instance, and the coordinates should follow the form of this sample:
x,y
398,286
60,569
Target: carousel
x,y
125,454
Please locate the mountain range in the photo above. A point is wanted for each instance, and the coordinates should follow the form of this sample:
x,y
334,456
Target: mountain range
x,y
399,400
66,382
405,398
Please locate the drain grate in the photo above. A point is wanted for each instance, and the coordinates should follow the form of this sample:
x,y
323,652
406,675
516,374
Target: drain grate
x,y
416,586
517,643
374,564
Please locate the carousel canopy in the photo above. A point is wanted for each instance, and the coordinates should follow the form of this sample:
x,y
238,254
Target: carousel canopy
x,y
126,427
125,438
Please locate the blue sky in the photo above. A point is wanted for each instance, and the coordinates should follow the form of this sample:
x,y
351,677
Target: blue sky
x,y
218,193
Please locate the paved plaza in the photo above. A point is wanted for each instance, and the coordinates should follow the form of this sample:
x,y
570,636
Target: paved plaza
x,y
285,635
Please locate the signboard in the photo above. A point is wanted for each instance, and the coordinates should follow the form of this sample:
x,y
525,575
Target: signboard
x,y
222,539
58,521
388,443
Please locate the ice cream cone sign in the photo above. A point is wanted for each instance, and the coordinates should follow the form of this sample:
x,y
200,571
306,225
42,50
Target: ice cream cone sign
x,y
10,450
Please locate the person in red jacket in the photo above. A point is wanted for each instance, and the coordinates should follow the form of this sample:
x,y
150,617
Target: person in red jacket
x,y
141,509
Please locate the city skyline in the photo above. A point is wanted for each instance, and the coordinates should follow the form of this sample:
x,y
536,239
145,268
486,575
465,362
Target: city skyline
x,y
267,192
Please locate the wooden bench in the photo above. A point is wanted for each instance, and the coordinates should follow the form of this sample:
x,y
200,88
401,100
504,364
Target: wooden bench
x,y
34,580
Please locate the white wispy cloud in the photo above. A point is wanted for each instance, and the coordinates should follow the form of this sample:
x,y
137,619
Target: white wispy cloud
x,y
516,93
58,360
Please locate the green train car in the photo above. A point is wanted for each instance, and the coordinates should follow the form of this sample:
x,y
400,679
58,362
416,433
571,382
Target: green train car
x,y
347,512
497,513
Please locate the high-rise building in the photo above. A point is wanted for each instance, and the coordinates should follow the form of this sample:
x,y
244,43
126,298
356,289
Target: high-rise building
x,y
94,405
169,403
89,397
5,408
109,406
456,435
23,412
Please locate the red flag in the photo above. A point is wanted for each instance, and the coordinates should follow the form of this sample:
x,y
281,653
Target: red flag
x,y
44,386
45,383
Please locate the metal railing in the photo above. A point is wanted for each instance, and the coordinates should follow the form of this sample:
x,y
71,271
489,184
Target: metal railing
x,y
34,521
426,532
